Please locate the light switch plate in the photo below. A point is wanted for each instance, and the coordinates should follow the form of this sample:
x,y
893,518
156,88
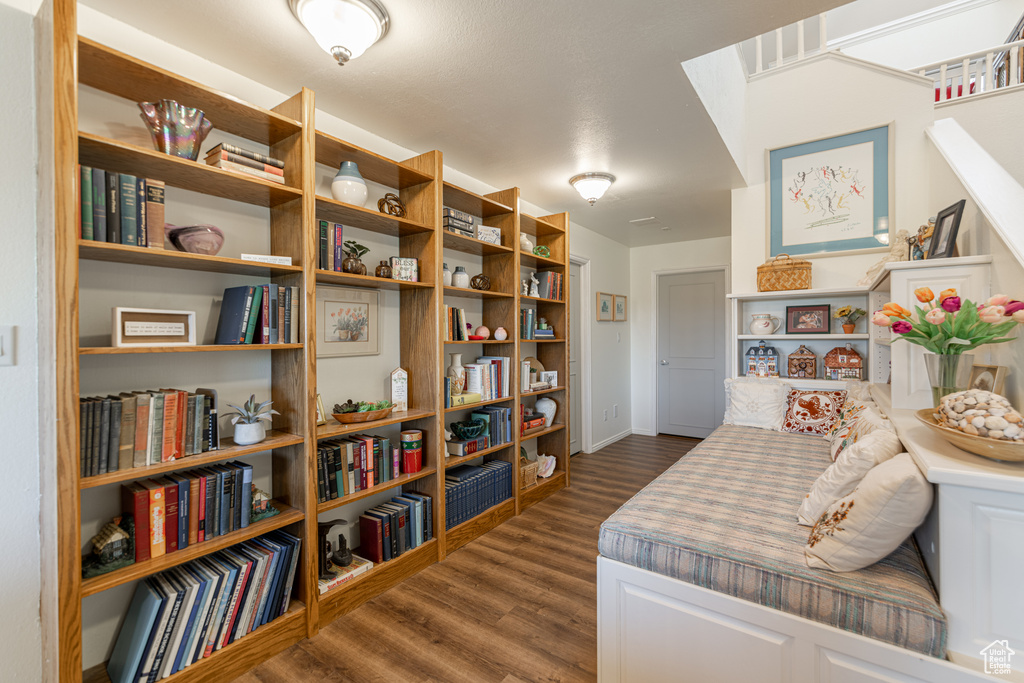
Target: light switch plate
x,y
6,345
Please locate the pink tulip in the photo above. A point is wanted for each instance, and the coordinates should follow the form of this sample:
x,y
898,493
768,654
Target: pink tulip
x,y
951,304
1014,306
1018,316
991,314
998,300
902,327
881,319
936,316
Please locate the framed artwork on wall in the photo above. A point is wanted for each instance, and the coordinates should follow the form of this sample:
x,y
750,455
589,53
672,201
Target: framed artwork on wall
x,y
831,195
620,308
947,224
808,319
605,307
347,321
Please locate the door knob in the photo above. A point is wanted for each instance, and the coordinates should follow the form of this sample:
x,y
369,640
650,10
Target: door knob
x,y
664,362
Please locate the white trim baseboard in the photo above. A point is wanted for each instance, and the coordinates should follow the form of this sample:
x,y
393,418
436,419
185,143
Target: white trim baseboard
x,y
610,440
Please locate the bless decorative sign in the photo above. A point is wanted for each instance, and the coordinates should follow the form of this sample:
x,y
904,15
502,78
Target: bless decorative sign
x,y
831,195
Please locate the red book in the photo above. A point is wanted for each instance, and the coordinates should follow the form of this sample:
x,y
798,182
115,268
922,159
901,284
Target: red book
x,y
157,519
179,444
193,510
135,502
371,537
265,313
201,531
170,513
237,600
170,425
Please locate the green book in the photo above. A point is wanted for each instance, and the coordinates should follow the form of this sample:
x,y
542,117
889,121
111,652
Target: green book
x,y
85,181
254,314
128,210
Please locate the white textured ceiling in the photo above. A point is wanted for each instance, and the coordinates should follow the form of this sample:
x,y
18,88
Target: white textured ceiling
x,y
516,92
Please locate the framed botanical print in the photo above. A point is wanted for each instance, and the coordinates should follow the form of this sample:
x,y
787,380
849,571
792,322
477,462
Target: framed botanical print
x,y
620,309
347,321
831,195
605,307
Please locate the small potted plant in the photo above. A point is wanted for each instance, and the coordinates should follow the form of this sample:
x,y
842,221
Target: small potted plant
x,y
353,253
849,315
248,420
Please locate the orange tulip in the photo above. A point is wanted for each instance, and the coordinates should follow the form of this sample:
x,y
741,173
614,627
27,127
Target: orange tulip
x,y
894,309
924,294
946,293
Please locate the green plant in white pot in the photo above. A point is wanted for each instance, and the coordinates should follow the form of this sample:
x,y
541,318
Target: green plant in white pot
x,y
248,420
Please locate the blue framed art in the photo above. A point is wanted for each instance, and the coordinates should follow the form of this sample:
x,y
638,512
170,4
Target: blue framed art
x,y
831,195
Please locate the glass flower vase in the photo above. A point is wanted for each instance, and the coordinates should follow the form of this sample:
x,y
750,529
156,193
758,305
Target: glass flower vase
x,y
948,373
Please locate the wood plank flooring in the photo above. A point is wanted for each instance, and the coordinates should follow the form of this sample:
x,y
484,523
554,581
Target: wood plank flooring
x,y
518,604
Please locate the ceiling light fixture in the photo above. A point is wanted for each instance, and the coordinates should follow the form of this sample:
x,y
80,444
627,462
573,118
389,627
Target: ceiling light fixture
x,y
592,186
343,28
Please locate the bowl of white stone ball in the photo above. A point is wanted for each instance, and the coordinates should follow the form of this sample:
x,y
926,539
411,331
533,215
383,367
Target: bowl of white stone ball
x,y
980,422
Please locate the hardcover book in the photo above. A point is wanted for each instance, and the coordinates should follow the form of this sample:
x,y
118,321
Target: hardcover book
x,y
155,213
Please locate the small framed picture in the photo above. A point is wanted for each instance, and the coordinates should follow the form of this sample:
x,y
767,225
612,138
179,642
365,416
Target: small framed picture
x,y
321,415
550,376
347,321
605,307
405,269
620,308
988,377
947,224
808,319
153,327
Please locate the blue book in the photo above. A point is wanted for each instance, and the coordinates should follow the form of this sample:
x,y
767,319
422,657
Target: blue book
x,y
176,595
99,205
184,508
204,600
135,633
129,209
230,573
189,620
253,315
286,591
246,492
270,583
234,313
285,548
424,512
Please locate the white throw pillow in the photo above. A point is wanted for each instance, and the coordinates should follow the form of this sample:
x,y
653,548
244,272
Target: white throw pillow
x,y
846,473
864,422
751,402
865,526
859,390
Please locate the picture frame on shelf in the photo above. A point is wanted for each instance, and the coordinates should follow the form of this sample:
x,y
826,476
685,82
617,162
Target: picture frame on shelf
x,y
321,414
988,378
605,307
405,269
550,376
808,319
832,195
947,225
348,321
619,315
145,327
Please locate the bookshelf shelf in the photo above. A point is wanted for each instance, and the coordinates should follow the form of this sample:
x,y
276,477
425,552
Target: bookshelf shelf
x,y
112,155
98,584
456,461
471,245
470,406
538,227
367,219
541,341
534,261
460,535
331,151
481,341
227,451
328,277
463,293
199,348
366,493
542,489
541,392
473,203
335,428
164,258
542,432
782,337
541,299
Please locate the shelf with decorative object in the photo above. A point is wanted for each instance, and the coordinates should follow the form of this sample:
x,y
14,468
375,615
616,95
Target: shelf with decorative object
x,y
328,277
199,348
812,337
454,461
334,428
541,392
472,245
473,203
525,297
331,151
368,218
460,292
544,488
165,258
542,432
471,406
398,481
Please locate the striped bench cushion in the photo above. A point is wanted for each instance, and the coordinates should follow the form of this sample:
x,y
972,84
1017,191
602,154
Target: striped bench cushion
x,y
724,518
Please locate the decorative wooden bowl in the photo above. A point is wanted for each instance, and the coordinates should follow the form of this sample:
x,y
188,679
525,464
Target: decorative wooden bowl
x,y
369,416
994,449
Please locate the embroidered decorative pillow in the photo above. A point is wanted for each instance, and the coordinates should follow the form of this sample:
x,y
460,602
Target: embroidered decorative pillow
x,y
861,528
846,473
812,412
757,403
851,409
865,422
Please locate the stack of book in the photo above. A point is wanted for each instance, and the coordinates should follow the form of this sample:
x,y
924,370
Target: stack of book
x,y
459,222
489,377
393,528
353,463
550,286
498,432
185,614
182,509
332,250
244,161
135,429
469,490
259,314
464,399
120,208
344,574
527,323
456,330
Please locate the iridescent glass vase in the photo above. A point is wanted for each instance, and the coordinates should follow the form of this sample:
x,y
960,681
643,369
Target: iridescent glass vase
x,y
176,129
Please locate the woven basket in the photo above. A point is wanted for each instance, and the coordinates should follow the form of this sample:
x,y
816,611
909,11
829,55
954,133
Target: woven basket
x,y
529,472
782,273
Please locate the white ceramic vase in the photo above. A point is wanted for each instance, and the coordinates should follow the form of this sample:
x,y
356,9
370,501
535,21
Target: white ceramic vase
x,y
460,278
501,334
348,185
248,434
457,373
547,407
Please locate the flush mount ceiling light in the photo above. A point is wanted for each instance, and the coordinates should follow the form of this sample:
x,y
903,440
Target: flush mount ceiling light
x,y
343,28
592,186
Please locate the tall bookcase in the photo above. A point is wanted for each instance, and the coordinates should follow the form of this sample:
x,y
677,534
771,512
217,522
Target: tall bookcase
x,y
290,371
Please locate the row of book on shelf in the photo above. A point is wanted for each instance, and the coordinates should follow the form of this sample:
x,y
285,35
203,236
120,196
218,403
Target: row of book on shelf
x,y
487,379
140,428
457,328
187,613
182,509
498,431
529,326
390,529
247,162
259,314
469,490
550,284
120,208
361,461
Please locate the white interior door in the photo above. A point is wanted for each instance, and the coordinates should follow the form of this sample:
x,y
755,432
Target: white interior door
x,y
691,353
575,395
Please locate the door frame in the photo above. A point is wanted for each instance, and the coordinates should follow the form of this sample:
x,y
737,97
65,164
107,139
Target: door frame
x,y
655,275
586,404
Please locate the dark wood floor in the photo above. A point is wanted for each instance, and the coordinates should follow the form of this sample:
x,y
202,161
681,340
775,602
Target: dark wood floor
x,y
518,604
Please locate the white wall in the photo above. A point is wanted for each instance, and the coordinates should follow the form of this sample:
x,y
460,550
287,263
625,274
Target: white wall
x,y
20,635
719,80
818,98
644,265
994,121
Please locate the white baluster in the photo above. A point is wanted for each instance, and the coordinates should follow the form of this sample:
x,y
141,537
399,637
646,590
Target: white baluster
x,y
989,83
942,83
965,70
778,47
1013,66
800,39
758,68
822,33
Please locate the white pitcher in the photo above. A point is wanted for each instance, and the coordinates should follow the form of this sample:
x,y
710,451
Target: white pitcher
x,y
764,324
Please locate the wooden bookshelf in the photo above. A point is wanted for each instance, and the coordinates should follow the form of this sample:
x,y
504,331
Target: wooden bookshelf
x,y
335,428
460,535
367,219
473,406
540,226
331,151
471,245
542,489
198,348
328,277
463,293
539,432
398,481
541,391
166,258
472,203
455,461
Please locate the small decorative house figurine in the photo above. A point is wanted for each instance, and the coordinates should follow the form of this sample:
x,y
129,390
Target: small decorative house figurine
x,y
843,362
400,389
762,361
112,548
261,507
803,363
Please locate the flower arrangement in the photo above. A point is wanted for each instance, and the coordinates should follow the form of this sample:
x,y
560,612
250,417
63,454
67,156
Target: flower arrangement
x,y
849,315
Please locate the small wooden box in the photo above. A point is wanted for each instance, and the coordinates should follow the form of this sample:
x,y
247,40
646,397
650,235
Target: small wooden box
x,y
529,471
784,273
153,327
803,363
